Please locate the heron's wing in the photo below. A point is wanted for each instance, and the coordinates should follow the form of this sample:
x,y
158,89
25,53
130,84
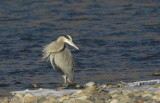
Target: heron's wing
x,y
64,61
52,48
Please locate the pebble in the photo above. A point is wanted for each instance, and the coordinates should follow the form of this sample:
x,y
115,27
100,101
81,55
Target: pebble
x,y
124,99
28,98
156,74
89,89
78,101
89,84
112,101
34,86
91,94
78,86
157,92
51,100
156,98
126,92
155,85
83,97
5,101
63,98
16,100
99,101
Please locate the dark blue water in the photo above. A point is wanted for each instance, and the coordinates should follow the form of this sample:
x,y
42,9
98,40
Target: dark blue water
x,y
118,40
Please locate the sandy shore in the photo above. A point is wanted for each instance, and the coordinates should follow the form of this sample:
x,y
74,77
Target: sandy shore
x,y
91,93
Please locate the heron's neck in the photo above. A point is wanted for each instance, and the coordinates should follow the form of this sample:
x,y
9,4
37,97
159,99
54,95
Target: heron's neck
x,y
60,43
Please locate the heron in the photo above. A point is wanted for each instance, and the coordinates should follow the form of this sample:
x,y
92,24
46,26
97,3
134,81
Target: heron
x,y
60,57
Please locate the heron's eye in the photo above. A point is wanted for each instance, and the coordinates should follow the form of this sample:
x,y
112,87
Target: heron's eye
x,y
69,39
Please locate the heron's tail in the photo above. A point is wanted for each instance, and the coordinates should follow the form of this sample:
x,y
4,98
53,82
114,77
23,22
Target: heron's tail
x,y
46,53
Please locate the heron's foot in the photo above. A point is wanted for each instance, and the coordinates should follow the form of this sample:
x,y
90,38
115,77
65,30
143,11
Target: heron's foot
x,y
65,85
70,85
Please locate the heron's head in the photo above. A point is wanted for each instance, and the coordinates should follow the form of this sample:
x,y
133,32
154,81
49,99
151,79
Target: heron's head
x,y
68,39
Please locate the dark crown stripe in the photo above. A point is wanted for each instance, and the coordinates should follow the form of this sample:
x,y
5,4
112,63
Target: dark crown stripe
x,y
66,37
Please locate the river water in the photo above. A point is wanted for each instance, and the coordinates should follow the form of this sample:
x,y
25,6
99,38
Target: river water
x,y
118,40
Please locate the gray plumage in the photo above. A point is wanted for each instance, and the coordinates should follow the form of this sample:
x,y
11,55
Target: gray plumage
x,y
60,57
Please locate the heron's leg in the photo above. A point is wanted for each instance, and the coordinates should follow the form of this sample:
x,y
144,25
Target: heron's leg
x,y
68,80
65,79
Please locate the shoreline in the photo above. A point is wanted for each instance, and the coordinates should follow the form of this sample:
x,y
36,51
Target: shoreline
x,y
91,93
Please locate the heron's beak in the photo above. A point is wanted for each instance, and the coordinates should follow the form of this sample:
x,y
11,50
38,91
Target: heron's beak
x,y
72,44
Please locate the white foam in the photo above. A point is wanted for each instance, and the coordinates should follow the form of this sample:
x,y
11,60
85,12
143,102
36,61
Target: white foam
x,y
143,83
45,92
139,86
134,86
